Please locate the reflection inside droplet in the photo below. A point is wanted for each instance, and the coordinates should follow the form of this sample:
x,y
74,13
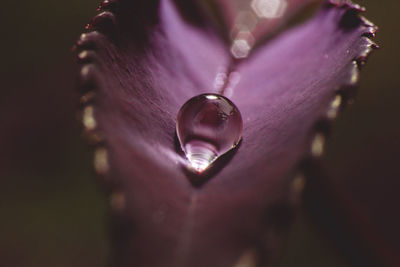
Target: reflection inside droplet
x,y
200,154
269,9
208,126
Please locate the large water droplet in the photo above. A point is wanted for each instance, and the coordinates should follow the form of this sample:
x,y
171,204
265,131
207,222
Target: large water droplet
x,y
208,126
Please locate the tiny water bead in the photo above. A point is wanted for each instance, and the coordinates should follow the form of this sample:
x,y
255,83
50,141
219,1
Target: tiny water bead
x,y
208,126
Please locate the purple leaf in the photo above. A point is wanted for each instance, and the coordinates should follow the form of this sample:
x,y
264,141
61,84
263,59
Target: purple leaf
x,y
142,62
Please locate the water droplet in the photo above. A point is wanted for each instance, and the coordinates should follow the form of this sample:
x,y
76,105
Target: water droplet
x,y
208,126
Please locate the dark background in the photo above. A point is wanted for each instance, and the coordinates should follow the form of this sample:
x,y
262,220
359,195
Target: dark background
x,y
52,213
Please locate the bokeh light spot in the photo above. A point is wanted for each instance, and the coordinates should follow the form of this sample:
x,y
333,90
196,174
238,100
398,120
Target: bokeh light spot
x,y
269,9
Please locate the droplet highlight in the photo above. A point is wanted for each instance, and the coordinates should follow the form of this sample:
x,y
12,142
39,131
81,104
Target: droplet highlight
x,y
208,126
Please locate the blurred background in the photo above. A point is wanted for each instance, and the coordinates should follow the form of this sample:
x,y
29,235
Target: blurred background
x,y
52,212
